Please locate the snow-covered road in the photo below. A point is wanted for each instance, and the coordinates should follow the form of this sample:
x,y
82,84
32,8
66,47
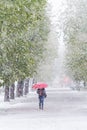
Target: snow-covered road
x,y
64,110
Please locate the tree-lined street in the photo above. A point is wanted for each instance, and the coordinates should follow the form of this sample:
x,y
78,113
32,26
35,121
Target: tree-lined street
x,y
43,41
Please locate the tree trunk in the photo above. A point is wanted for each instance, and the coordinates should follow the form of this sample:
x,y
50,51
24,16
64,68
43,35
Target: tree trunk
x,y
20,86
12,88
6,95
26,86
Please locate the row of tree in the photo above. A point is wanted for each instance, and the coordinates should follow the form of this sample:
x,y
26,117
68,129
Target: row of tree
x,y
23,32
75,22
17,89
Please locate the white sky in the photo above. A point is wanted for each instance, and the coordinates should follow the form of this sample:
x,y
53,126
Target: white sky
x,y
57,6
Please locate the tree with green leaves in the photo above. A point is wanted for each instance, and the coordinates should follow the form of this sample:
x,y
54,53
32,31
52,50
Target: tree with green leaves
x,y
75,34
23,30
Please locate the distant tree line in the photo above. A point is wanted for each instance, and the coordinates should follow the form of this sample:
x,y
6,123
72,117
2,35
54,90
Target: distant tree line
x,y
75,22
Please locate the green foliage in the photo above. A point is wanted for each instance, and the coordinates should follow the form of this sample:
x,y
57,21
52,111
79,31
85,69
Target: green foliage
x,y
23,29
76,32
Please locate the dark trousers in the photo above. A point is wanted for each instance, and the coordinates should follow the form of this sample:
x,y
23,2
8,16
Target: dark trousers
x,y
41,102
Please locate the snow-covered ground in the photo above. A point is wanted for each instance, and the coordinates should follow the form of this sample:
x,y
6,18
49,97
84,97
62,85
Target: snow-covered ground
x,y
64,110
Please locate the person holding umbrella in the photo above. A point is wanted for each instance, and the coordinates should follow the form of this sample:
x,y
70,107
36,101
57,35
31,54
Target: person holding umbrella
x,y
41,93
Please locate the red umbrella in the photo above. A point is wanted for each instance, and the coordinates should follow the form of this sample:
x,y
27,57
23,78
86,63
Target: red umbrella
x,y
39,85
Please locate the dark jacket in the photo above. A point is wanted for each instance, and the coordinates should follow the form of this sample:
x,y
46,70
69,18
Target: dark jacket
x,y
42,92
